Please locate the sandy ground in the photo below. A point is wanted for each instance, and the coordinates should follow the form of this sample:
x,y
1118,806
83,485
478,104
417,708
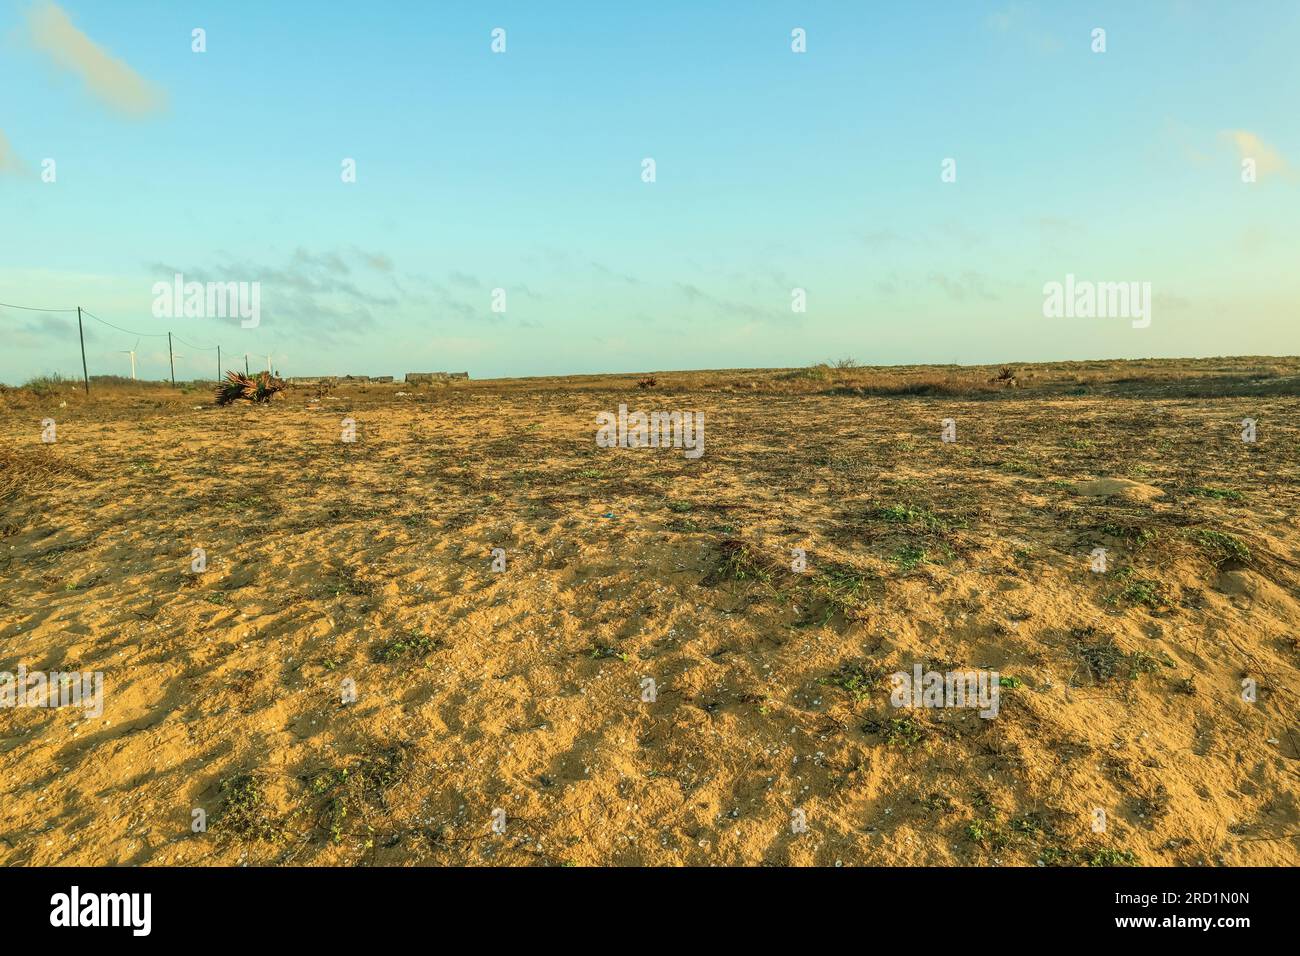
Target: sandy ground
x,y
333,565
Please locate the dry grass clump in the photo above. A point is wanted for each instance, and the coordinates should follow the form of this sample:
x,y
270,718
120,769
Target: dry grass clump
x,y
23,468
889,386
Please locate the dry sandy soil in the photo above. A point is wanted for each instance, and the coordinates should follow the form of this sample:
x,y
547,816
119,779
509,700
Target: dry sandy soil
x,y
521,690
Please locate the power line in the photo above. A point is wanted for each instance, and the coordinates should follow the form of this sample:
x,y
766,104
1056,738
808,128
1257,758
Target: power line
x,y
87,312
201,348
28,308
156,335
153,335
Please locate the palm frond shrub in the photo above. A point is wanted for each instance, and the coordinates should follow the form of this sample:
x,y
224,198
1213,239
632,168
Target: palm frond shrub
x,y
260,388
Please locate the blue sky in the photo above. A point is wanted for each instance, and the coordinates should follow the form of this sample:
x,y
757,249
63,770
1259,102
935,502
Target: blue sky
x,y
522,171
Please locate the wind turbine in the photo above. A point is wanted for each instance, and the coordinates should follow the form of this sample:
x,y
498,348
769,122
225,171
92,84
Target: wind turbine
x,y
131,352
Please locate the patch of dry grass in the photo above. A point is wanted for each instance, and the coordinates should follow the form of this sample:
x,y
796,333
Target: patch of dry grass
x,y
26,467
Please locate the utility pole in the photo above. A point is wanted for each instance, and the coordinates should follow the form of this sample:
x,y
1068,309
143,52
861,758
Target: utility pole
x,y
218,363
82,333
171,358
245,365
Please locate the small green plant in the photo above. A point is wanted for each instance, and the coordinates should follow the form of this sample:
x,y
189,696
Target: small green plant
x,y
323,781
1019,466
981,801
1137,536
908,515
1219,494
937,803
1054,856
840,586
854,679
409,645
1140,662
910,557
987,834
739,563
334,817
1220,547
347,790
1105,661
1136,589
381,770
905,732
902,732
244,812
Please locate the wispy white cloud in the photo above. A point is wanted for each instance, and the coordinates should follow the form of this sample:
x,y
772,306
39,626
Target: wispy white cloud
x,y
106,77
1020,19
9,161
1268,161
310,289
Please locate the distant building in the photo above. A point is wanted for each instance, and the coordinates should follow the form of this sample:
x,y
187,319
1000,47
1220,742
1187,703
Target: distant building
x,y
428,378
